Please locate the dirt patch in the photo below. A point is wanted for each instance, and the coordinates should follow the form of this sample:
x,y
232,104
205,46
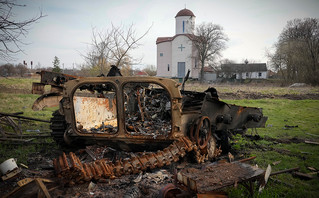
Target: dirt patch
x,y
248,95
294,140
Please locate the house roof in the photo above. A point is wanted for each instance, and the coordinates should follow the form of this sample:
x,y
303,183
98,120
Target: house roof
x,y
209,69
141,73
253,67
166,39
185,12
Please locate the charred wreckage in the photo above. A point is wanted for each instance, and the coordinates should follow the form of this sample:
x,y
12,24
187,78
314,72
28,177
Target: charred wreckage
x,y
137,114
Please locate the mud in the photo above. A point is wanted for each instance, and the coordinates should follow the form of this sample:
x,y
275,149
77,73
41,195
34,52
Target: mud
x,y
248,95
276,140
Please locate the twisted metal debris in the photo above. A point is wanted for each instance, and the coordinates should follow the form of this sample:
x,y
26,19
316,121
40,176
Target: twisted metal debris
x,y
72,170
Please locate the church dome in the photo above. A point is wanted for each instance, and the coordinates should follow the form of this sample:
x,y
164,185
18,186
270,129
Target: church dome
x,y
185,12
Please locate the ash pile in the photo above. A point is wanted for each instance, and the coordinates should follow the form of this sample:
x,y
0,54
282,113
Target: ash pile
x,y
147,110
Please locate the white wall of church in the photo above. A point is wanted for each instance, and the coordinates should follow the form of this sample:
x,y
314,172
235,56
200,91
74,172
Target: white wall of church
x,y
164,59
189,25
183,54
195,65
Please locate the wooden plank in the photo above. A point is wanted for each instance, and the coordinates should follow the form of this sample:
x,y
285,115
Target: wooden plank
x,y
28,136
2,132
312,134
303,175
311,142
16,140
43,188
13,125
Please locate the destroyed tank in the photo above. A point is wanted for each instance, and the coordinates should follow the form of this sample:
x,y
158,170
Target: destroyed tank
x,y
139,113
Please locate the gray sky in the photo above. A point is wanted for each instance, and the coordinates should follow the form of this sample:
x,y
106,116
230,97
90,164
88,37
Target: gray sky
x,y
251,25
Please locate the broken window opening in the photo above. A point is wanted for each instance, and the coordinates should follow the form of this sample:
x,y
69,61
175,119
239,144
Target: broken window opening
x,y
147,109
95,108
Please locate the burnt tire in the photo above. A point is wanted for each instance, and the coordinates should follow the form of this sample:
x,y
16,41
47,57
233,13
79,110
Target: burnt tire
x,y
58,127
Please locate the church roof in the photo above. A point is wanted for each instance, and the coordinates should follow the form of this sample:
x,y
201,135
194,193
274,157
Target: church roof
x,y
185,12
166,39
163,39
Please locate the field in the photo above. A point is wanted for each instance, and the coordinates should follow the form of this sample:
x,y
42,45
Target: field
x,y
293,117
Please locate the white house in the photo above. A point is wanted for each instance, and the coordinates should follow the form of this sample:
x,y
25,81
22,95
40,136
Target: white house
x,y
245,71
176,55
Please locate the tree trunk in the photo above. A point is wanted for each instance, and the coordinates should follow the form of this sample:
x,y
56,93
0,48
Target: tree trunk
x,y
202,72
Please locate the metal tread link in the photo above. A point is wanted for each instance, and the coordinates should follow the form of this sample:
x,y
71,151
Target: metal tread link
x,y
72,170
58,127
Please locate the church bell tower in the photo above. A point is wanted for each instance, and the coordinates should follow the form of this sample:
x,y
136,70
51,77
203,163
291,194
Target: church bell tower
x,y
185,22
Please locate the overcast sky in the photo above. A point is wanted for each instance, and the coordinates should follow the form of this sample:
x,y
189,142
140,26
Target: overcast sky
x,y
251,25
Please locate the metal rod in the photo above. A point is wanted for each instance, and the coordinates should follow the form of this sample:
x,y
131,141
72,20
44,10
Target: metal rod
x,y
23,117
285,171
247,159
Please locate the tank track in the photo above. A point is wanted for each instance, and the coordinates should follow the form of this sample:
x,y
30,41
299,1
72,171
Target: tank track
x,y
58,127
72,170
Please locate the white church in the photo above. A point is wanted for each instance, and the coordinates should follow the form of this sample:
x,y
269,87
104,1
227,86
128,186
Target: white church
x,y
176,55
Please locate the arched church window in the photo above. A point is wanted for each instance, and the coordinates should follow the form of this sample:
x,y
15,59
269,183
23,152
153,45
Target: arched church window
x,y
167,67
161,54
183,26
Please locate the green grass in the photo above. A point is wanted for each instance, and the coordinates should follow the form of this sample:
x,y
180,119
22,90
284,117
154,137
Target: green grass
x,y
16,102
18,83
11,103
281,112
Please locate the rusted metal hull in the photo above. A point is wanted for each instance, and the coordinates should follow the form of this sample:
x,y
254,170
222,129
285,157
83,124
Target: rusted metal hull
x,y
216,176
47,100
134,113
222,116
86,110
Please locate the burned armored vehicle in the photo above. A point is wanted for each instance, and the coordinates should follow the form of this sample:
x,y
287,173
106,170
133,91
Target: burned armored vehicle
x,y
139,113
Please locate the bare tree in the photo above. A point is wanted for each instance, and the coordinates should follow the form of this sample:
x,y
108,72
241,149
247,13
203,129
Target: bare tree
x,y
98,56
112,47
150,70
297,51
21,69
277,62
11,30
209,41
